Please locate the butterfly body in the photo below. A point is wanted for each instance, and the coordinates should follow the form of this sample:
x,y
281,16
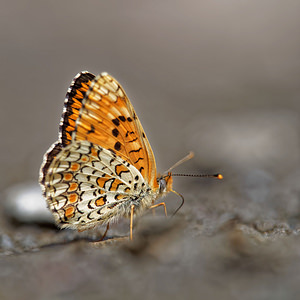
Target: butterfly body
x,y
102,166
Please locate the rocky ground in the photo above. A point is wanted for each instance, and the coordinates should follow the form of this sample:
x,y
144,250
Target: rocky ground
x,y
218,246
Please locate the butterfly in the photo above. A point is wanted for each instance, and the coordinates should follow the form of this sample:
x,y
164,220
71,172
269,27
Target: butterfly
x,y
102,167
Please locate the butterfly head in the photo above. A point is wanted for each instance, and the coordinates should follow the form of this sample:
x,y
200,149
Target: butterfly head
x,y
165,183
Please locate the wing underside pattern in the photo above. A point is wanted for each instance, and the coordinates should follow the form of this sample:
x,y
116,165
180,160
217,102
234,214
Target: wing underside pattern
x,y
89,184
108,119
102,162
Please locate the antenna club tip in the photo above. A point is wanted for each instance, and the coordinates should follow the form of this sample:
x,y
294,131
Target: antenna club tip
x,y
219,176
191,154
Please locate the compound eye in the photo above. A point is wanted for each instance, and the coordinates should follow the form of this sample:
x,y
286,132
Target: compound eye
x,y
162,185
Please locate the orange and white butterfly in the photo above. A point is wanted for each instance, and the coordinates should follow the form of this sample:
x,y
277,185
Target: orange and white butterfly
x,y
102,167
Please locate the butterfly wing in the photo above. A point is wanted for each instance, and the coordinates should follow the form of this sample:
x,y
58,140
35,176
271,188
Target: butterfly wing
x,y
82,186
90,185
108,119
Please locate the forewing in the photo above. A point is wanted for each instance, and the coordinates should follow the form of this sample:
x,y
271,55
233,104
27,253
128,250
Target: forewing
x,y
108,119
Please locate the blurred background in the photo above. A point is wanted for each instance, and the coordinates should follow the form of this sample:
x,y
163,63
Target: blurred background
x,y
220,78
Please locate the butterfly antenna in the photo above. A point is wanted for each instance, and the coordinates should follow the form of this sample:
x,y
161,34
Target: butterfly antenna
x,y
186,158
218,175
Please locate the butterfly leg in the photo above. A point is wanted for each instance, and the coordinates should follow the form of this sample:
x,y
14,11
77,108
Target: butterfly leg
x,y
104,235
160,204
131,220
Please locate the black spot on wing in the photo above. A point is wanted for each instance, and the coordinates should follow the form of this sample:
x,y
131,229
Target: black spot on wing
x,y
115,132
117,146
116,122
